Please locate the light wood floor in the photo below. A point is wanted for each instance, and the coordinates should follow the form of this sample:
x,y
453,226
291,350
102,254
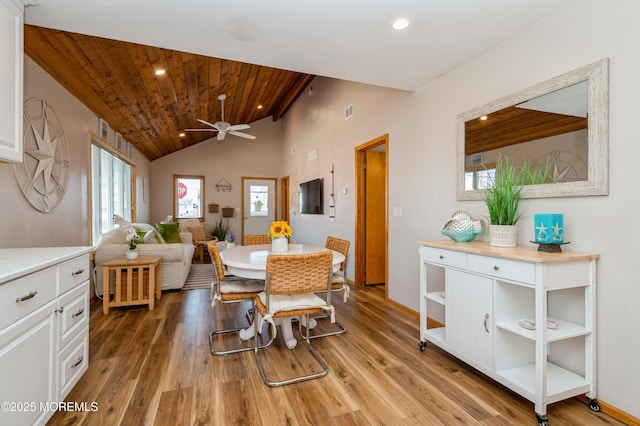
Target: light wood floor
x,y
154,367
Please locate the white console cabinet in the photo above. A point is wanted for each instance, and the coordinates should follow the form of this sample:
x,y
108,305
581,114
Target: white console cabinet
x,y
482,296
44,329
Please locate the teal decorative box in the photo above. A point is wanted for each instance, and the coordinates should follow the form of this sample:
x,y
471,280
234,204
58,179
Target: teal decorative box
x,y
548,228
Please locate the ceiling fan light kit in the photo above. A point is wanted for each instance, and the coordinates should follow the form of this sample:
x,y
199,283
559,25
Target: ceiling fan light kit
x,y
222,127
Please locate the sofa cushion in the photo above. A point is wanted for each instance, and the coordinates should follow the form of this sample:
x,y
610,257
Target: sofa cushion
x,y
170,232
197,232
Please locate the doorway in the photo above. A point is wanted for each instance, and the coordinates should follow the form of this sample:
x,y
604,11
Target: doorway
x,y
259,208
371,212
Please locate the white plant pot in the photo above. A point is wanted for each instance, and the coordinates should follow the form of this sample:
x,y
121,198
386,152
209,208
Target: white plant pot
x,y
230,245
280,245
132,254
503,235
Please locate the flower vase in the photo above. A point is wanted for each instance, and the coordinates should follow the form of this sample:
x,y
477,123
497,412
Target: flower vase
x,y
280,244
132,254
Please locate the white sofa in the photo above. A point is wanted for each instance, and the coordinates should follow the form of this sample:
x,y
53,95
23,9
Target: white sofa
x,y
176,257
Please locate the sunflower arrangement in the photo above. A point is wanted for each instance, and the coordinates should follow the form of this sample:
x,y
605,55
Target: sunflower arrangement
x,y
279,229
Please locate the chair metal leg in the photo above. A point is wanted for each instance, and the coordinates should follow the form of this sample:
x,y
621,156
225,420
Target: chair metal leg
x,y
274,383
234,350
341,328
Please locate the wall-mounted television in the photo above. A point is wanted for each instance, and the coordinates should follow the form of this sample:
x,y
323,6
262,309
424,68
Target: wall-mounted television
x,y
311,197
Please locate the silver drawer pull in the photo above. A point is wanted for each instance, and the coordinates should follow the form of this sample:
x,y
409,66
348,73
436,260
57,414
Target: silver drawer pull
x,y
78,313
496,268
441,256
486,318
78,362
78,272
27,297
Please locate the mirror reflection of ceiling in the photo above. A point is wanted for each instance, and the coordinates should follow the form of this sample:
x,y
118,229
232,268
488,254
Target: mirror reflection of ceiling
x,y
552,114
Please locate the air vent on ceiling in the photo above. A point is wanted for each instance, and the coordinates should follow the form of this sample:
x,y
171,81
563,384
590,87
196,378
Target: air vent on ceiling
x,y
348,111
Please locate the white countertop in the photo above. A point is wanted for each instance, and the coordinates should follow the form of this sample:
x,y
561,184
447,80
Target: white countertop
x,y
17,262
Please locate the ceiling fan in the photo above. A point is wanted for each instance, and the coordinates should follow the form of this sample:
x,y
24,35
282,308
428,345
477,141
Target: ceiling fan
x,y
222,127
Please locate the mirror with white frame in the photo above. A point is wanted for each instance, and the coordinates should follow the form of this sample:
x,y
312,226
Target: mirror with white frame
x,y
562,122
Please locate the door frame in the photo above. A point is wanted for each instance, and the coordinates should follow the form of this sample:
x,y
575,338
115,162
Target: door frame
x,y
284,198
359,250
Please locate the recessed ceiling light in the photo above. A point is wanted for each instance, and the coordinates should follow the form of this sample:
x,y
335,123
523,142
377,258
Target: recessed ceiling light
x,y
484,117
160,71
182,135
260,106
400,24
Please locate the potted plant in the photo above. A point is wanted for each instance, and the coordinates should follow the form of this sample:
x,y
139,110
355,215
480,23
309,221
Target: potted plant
x,y
220,229
503,199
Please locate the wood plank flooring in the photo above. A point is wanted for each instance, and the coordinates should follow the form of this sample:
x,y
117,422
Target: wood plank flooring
x,y
155,368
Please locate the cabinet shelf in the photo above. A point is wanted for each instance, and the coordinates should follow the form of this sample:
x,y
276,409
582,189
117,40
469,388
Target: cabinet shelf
x,y
436,335
566,330
437,296
560,382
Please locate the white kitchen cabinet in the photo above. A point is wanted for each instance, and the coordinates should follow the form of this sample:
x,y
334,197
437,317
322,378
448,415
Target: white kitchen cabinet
x,y
486,292
11,79
44,329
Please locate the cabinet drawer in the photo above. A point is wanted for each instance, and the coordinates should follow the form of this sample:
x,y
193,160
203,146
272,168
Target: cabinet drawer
x,y
503,268
73,313
72,272
73,361
22,296
456,259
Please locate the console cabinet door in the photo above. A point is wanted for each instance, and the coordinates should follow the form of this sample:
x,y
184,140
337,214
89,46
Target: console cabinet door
x,y
12,56
469,316
27,349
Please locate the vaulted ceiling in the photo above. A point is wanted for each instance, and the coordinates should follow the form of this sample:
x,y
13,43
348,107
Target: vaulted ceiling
x,y
254,51
117,81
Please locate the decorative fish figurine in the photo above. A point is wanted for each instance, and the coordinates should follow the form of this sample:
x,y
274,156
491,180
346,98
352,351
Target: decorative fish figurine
x,y
462,227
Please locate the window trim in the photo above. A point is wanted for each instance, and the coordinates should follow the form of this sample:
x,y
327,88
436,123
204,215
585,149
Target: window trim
x,y
102,144
202,195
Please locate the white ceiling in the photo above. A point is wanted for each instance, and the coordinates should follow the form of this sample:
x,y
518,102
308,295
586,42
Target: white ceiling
x,y
344,39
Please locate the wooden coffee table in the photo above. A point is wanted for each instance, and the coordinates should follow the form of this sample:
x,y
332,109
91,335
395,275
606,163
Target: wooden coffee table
x,y
135,282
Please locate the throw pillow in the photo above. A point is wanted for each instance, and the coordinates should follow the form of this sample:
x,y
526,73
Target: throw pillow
x,y
141,233
197,232
169,232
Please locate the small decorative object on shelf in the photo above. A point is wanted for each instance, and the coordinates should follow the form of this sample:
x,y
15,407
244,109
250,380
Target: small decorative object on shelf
x,y
549,231
462,227
132,237
280,232
231,240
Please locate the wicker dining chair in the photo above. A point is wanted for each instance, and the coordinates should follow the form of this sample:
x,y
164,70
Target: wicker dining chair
x,y
230,289
291,283
253,239
338,281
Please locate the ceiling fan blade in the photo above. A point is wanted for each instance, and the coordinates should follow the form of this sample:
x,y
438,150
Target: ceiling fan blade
x,y
207,123
221,136
238,127
242,135
200,130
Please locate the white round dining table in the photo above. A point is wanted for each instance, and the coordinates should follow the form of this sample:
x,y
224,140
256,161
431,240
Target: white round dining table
x,y
251,262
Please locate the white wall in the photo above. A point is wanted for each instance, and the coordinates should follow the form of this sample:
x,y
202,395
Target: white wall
x,y
230,159
422,155
69,224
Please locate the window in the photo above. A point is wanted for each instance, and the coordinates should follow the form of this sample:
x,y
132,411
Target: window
x,y
111,189
188,196
259,200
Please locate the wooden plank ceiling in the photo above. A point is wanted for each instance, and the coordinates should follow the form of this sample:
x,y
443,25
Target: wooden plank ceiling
x,y
117,81
513,125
